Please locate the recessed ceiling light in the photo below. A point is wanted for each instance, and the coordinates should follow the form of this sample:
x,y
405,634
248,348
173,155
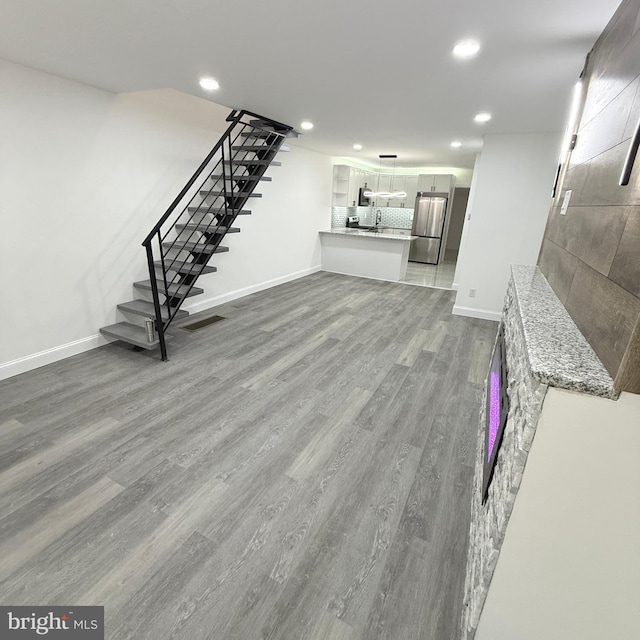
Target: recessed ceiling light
x,y
209,84
466,49
483,116
357,147
456,144
306,125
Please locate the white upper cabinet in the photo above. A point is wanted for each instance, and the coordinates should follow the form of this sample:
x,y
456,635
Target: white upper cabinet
x,y
398,183
442,183
354,186
369,181
347,182
340,190
411,187
382,182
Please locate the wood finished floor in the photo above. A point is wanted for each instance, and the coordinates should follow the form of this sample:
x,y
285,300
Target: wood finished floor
x,y
298,471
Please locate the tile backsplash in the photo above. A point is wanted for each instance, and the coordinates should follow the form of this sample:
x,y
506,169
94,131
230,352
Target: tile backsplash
x,y
399,218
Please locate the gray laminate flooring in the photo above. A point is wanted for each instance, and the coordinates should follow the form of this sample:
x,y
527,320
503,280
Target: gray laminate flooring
x,y
299,471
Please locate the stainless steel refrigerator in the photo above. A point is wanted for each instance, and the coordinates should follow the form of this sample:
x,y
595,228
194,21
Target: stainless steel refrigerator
x,y
428,224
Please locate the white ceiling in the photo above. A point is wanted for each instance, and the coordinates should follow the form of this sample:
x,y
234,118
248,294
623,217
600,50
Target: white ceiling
x,y
379,74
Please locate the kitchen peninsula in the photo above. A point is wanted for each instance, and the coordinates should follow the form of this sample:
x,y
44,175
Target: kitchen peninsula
x,y
381,254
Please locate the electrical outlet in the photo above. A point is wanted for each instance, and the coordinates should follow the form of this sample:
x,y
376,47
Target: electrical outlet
x,y
565,202
472,293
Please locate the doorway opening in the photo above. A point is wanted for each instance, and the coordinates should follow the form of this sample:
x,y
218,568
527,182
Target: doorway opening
x,y
441,275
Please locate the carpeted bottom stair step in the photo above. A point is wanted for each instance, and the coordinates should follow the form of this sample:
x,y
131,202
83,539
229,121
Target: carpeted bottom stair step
x,y
131,333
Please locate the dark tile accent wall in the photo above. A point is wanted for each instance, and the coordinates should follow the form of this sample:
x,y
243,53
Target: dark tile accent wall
x,y
625,269
558,266
605,313
591,255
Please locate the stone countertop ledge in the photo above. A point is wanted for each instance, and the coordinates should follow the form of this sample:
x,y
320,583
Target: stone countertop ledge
x,y
385,235
559,355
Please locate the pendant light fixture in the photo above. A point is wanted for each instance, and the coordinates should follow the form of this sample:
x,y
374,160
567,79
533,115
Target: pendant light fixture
x,y
391,194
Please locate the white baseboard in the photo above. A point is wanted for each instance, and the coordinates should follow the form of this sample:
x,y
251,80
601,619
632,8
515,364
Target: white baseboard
x,y
216,301
470,312
42,358
454,286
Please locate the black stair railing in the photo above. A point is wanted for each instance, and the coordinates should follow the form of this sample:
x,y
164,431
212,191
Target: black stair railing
x,y
183,241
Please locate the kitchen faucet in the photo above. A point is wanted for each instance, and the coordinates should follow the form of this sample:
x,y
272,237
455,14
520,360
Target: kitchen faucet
x,y
378,217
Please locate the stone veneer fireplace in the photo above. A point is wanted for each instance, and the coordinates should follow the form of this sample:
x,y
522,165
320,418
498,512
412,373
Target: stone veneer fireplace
x,y
543,348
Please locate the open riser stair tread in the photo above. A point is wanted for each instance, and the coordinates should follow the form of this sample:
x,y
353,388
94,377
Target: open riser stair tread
x,y
173,289
217,211
254,162
229,194
259,134
241,178
268,127
204,227
184,267
146,309
260,147
194,247
133,334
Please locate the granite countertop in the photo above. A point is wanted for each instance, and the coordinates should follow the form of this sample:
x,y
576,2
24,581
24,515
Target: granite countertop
x,y
559,355
388,234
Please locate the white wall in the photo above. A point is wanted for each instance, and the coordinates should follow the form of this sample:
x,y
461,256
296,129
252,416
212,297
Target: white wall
x,y
570,560
506,216
85,174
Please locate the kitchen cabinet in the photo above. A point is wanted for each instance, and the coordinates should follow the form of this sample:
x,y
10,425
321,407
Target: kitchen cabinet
x,y
382,256
368,180
398,183
394,183
442,183
411,187
359,177
340,191
346,184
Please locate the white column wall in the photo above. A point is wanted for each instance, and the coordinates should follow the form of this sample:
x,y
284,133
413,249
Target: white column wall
x,y
85,174
570,560
506,216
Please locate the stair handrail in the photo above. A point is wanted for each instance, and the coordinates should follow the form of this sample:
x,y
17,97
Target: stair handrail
x,y
234,117
217,210
280,131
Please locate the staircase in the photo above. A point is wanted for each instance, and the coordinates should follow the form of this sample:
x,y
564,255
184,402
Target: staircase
x,y
182,243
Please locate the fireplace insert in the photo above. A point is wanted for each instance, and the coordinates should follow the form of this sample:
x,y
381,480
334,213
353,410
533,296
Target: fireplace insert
x,y
497,409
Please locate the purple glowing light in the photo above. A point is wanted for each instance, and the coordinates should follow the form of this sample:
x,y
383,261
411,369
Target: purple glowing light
x,y
494,410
